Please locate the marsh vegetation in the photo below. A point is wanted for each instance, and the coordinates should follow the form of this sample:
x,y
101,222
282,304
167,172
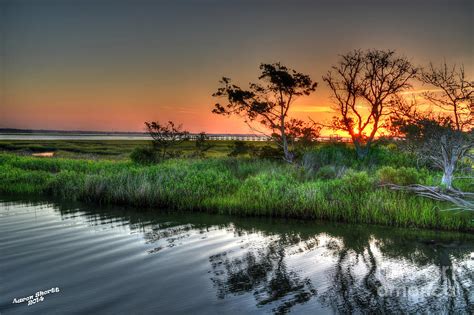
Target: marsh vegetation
x,y
328,183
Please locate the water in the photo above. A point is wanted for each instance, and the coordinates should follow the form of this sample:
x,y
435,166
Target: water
x,y
124,261
118,136
72,137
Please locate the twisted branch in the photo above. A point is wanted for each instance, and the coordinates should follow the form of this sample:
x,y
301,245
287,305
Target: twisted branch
x,y
462,200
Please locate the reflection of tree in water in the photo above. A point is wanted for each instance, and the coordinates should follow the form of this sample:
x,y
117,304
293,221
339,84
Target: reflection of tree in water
x,y
354,282
365,260
422,277
166,231
265,273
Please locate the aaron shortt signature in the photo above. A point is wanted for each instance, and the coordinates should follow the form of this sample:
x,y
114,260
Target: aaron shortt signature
x,y
35,298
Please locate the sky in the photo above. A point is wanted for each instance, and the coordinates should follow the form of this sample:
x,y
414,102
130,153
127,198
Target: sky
x,y
111,65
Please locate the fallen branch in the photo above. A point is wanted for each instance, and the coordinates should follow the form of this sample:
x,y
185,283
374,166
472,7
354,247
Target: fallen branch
x,y
462,200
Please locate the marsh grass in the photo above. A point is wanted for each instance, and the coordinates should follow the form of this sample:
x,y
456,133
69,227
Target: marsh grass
x,y
239,186
108,149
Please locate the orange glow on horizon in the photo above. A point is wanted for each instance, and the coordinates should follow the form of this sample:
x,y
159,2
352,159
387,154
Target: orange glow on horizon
x,y
107,66
65,106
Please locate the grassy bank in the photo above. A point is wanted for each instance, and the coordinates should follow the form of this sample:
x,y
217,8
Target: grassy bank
x,y
242,187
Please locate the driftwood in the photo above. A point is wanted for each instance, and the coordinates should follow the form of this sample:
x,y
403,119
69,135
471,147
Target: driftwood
x,y
461,200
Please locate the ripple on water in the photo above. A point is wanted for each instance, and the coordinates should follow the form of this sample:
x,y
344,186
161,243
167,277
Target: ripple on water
x,y
125,261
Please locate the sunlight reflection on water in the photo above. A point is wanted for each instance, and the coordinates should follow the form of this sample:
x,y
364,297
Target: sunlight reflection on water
x,y
117,260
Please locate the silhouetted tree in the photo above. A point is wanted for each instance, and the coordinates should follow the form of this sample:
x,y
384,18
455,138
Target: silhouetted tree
x,y
362,84
302,133
202,144
166,136
267,102
453,93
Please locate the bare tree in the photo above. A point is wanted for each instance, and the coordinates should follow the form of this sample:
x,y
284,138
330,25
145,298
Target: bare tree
x,y
166,136
267,102
444,146
453,94
362,84
432,137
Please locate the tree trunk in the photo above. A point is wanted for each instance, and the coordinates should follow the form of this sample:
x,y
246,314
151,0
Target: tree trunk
x,y
286,151
362,151
447,179
284,141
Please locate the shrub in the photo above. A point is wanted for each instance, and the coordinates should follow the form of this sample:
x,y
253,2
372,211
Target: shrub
x,y
240,148
390,155
327,172
144,155
332,154
401,176
268,152
356,182
392,147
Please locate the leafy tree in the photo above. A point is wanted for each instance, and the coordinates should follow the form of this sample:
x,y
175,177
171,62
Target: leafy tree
x,y
268,101
302,134
166,136
453,93
362,84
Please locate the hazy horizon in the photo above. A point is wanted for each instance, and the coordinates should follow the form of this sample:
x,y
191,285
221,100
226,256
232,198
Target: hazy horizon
x,y
111,65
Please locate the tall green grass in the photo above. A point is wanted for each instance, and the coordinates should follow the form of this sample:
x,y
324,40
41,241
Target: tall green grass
x,y
234,186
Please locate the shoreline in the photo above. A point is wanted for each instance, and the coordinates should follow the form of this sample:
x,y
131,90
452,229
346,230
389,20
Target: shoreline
x,y
243,221
230,186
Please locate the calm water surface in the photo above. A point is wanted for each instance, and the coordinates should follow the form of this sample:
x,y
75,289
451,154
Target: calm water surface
x,y
130,261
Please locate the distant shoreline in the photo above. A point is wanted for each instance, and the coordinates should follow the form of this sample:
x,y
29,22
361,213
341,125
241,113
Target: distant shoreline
x,y
27,134
13,131
54,131
91,133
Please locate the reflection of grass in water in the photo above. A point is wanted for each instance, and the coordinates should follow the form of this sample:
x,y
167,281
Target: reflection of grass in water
x,y
227,186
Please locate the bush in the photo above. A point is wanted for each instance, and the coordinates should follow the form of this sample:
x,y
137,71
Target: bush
x,y
268,152
327,172
332,154
401,176
144,155
356,182
240,148
390,155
